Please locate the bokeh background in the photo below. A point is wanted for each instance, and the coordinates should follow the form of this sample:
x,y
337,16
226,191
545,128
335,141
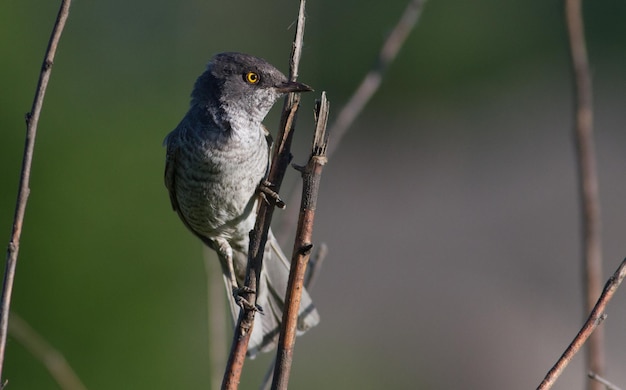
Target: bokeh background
x,y
450,208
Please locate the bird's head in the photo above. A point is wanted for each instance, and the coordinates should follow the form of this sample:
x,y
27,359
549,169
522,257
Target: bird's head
x,y
242,87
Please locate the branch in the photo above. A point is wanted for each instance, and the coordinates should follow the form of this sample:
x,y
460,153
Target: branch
x,y
373,79
368,87
595,318
608,385
311,176
52,359
32,119
588,178
314,268
258,236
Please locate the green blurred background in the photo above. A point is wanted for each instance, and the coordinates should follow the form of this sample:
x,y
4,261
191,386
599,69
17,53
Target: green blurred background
x,y
450,209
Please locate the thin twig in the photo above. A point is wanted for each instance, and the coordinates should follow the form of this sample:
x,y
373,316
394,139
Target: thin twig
x,y
373,79
595,318
362,95
607,385
314,268
258,236
32,119
311,176
588,178
52,359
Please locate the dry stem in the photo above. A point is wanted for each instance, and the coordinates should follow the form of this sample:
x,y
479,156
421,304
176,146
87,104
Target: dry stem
x,y
595,318
258,236
588,180
373,79
32,119
608,385
311,176
314,268
368,87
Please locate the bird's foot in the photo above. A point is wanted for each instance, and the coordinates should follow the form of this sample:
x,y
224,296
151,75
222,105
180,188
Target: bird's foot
x,y
242,302
269,195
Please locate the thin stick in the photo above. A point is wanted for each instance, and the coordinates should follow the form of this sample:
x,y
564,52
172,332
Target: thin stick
x,y
311,176
373,79
362,95
314,268
258,236
52,359
32,119
608,385
594,319
588,179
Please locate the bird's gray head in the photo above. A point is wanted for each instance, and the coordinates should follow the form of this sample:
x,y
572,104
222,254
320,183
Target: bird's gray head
x,y
237,88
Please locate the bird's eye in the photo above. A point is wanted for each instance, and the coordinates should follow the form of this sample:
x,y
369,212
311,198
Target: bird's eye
x,y
251,78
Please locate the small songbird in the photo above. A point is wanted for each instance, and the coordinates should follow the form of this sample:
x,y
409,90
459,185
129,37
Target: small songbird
x,y
217,157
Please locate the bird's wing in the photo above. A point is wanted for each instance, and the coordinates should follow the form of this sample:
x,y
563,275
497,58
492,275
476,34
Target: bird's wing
x,y
171,157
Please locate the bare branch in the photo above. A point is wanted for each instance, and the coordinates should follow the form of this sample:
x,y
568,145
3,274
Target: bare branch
x,y
595,318
588,179
362,95
311,176
52,359
608,385
32,119
258,236
373,79
314,268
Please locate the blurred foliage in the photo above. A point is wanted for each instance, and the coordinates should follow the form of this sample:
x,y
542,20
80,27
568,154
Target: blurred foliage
x,y
106,272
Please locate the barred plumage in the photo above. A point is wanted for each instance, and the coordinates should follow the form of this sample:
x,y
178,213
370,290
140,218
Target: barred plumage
x,y
216,158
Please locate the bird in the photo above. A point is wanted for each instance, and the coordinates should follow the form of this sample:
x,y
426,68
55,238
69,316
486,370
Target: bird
x,y
217,159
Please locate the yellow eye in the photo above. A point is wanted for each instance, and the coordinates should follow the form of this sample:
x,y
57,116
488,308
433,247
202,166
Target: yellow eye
x,y
252,78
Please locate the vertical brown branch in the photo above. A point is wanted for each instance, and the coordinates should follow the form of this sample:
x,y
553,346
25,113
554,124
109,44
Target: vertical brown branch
x,y
588,180
32,119
311,176
313,269
258,236
595,318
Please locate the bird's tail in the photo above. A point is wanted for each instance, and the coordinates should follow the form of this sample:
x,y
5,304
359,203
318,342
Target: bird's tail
x,y
271,298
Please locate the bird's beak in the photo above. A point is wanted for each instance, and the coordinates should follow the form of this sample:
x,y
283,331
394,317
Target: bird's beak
x,y
292,86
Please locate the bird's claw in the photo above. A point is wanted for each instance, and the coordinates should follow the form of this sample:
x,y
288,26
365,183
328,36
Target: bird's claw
x,y
243,302
269,195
